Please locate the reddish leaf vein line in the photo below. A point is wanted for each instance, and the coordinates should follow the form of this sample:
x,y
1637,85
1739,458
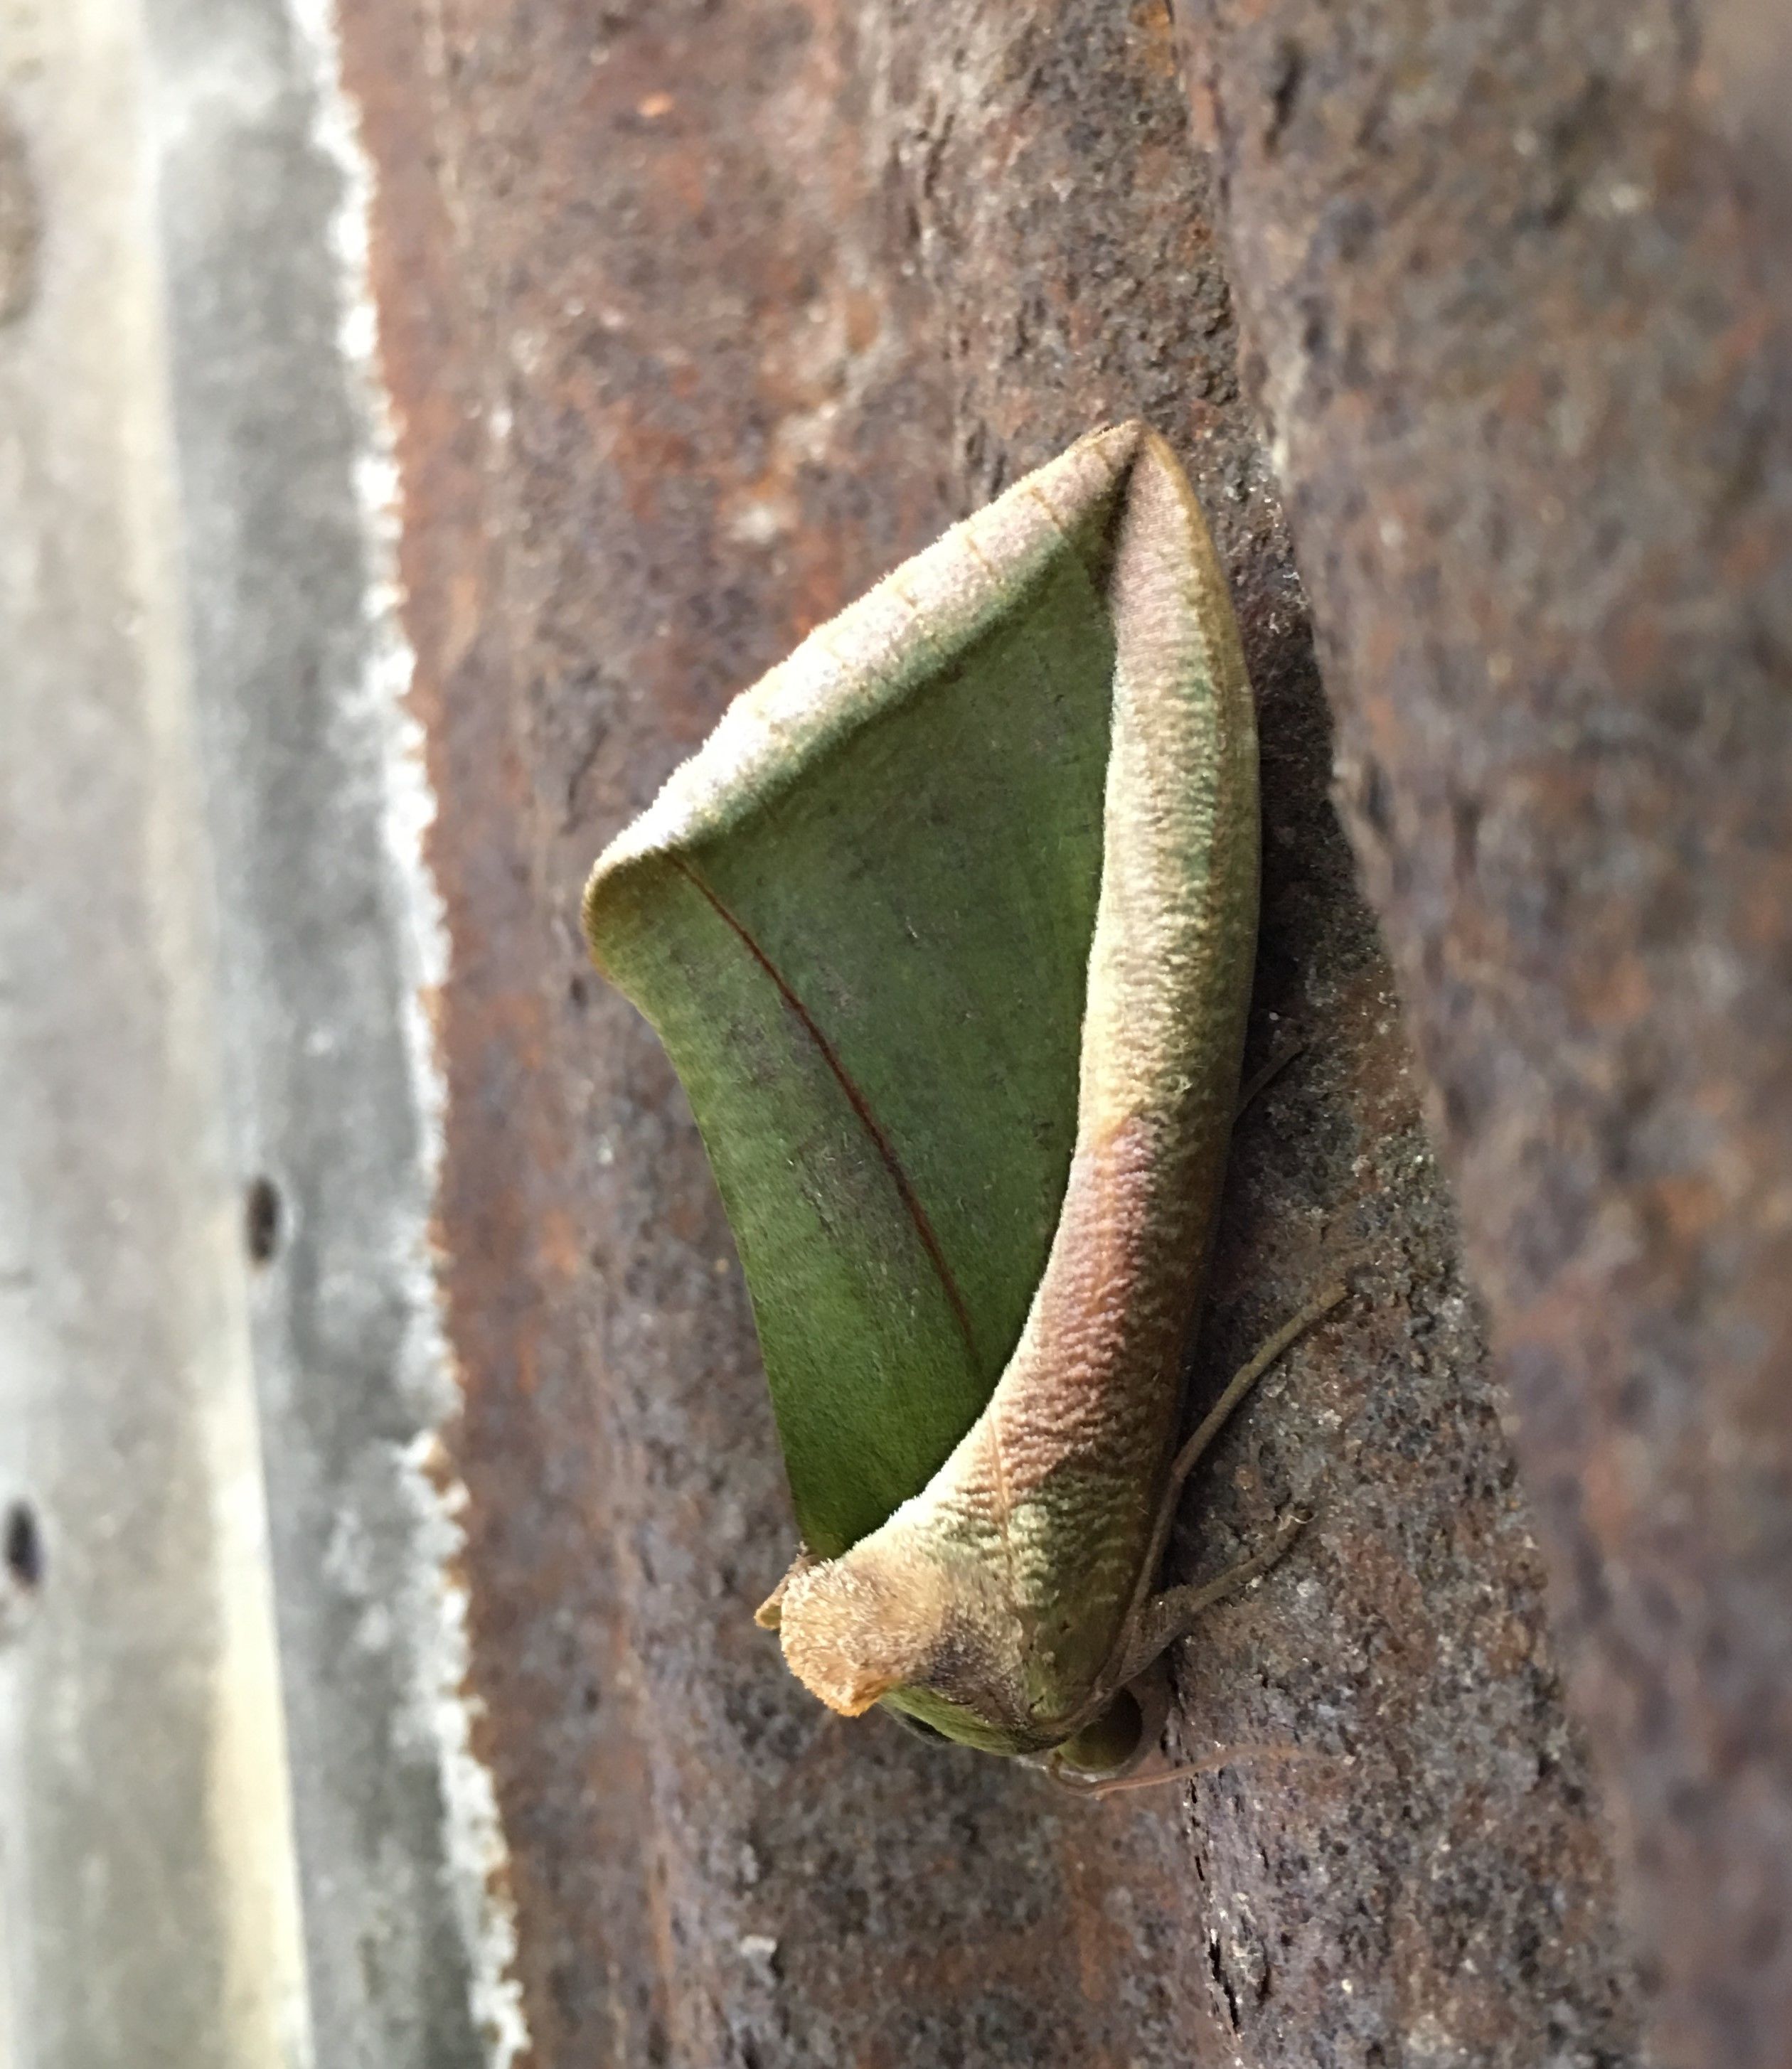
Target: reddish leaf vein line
x,y
855,1098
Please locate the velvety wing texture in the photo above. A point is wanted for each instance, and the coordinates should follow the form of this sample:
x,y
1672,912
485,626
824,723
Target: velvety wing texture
x,y
860,919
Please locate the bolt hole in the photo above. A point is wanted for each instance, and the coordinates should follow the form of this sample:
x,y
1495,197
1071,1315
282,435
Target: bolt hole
x,y
261,1220
24,1551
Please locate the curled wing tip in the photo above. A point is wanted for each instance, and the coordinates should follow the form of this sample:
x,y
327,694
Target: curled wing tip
x,y
599,914
770,727
1121,437
589,909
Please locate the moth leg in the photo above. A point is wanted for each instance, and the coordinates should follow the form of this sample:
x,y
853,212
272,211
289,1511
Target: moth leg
x,y
1174,1614
1244,1379
1185,1463
1266,1075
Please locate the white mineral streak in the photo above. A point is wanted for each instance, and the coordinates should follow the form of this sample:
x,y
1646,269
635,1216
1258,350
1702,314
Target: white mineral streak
x,y
435,1603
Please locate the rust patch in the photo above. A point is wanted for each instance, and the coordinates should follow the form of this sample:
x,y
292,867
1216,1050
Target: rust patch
x,y
675,382
1524,307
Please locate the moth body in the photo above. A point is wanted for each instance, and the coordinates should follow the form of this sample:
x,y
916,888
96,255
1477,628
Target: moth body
x,y
1006,1591
1000,1596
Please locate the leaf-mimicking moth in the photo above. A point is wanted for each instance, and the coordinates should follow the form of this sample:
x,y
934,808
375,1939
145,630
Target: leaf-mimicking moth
x,y
949,930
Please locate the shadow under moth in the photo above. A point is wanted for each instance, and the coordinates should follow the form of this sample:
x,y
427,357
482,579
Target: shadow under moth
x,y
948,932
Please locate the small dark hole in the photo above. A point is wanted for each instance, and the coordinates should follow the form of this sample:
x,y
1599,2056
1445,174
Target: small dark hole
x,y
24,1546
261,1220
578,991
1106,1745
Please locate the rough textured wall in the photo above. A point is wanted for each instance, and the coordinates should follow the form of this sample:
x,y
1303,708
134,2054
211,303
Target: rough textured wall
x,y
1520,280
697,318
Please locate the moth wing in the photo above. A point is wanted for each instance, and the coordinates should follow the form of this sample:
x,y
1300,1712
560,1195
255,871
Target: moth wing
x,y
859,918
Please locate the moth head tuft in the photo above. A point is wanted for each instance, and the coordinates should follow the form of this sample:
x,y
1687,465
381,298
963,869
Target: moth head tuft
x,y
857,1626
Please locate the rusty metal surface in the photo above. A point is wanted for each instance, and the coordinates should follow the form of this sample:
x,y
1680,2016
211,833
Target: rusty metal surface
x,y
696,319
1519,280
